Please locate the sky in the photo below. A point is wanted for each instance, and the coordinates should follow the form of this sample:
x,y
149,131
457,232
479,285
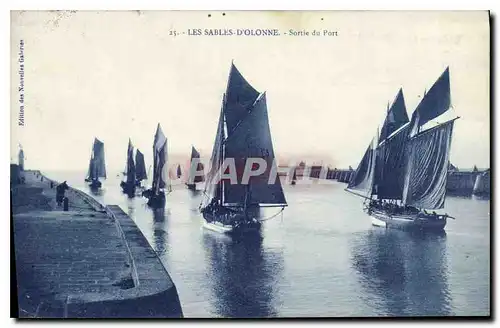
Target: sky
x,y
115,75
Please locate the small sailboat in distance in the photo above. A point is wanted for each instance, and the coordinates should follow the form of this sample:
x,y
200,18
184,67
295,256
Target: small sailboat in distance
x,y
97,166
128,186
294,177
243,132
193,178
406,167
140,168
156,195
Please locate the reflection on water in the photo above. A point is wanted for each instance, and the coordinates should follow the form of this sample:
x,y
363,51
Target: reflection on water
x,y
160,230
405,272
241,275
97,191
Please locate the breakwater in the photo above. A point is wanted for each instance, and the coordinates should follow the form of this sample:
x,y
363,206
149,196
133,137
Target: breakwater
x,y
459,182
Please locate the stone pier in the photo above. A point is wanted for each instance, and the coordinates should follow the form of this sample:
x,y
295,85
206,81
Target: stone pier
x,y
89,262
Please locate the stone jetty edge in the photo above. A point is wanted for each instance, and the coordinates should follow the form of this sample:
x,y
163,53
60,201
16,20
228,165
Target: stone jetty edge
x,y
154,294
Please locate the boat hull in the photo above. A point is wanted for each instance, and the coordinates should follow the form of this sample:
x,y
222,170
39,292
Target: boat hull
x,y
411,221
239,223
154,200
128,188
95,184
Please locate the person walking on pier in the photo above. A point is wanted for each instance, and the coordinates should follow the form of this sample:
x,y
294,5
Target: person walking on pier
x,y
60,190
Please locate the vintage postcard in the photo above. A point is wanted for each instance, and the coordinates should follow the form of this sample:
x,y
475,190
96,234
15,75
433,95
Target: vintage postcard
x,y
231,164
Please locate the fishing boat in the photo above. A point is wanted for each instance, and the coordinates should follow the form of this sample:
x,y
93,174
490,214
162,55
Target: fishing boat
x,y
403,173
243,133
97,166
140,168
156,195
195,167
179,171
128,186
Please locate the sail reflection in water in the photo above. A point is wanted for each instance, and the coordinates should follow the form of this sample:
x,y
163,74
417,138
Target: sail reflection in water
x,y
403,273
160,230
242,275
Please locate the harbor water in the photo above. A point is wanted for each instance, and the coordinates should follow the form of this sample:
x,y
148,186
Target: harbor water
x,y
319,258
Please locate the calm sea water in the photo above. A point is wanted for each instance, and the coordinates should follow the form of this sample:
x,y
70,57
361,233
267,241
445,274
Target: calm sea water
x,y
321,257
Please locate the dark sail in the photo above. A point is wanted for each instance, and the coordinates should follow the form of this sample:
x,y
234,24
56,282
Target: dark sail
x,y
199,167
91,167
252,139
427,167
362,179
140,166
213,184
159,160
97,165
390,166
130,163
396,117
92,174
434,103
240,96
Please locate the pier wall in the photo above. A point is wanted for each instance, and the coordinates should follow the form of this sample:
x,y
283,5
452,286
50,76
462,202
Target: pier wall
x,y
153,293
482,184
109,269
461,182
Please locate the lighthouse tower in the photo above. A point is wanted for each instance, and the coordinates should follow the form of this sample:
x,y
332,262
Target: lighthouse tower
x,y
21,160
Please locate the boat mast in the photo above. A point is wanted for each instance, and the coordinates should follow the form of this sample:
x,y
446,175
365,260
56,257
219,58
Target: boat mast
x,y
222,149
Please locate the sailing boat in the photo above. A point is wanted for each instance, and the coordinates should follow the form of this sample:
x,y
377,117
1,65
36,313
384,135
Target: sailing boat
x,y
97,167
156,195
193,179
140,168
294,177
128,186
243,132
406,168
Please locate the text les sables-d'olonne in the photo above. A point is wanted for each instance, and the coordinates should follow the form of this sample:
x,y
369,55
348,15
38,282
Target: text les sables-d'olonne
x,y
251,32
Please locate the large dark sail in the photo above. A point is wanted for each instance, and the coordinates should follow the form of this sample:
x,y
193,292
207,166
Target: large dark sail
x,y
427,167
140,166
246,120
363,176
434,103
396,117
252,139
213,185
240,97
390,166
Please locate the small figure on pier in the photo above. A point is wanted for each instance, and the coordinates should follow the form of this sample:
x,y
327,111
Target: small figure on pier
x,y
60,190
